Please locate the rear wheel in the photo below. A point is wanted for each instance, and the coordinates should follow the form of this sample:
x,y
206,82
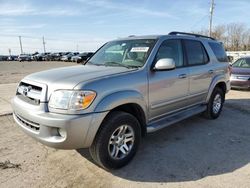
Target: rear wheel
x,y
215,104
117,140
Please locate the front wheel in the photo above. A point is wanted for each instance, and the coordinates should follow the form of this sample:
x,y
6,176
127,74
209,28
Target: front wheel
x,y
215,104
117,140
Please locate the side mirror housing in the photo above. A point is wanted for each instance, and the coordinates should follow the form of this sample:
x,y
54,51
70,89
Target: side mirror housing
x,y
164,64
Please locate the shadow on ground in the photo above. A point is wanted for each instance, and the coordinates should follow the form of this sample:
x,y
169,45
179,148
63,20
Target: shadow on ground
x,y
192,149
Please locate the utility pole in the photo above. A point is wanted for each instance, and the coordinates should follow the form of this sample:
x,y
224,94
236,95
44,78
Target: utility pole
x,y
77,48
211,17
44,46
21,46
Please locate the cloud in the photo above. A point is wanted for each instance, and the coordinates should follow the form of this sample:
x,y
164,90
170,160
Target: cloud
x,y
8,9
11,26
126,8
26,9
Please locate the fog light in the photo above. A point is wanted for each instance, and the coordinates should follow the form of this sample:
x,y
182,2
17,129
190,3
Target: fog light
x,y
62,133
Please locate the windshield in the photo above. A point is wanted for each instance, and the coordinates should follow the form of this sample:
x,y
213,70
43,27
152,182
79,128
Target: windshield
x,y
126,53
242,63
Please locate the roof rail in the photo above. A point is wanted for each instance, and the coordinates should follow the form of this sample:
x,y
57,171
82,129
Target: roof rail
x,y
190,34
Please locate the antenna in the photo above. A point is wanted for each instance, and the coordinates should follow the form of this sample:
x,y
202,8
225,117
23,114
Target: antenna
x,y
211,17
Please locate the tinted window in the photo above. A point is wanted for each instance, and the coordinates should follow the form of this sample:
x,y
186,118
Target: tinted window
x,y
196,53
171,49
219,51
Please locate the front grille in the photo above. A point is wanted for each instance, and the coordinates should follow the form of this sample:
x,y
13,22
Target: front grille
x,y
30,124
29,93
36,88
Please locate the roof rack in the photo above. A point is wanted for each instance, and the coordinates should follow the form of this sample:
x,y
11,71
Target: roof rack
x,y
190,34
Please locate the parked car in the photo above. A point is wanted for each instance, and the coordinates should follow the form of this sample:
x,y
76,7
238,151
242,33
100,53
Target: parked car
x,y
68,56
240,77
3,58
54,56
41,56
33,56
82,57
24,57
128,88
12,58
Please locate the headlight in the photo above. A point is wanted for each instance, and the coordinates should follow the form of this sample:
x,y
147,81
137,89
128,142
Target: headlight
x,y
71,100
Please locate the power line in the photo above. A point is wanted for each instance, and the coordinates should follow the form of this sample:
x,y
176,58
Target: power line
x,y
211,17
24,45
56,39
199,21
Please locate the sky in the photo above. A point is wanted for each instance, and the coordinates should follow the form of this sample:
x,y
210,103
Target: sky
x,y
84,25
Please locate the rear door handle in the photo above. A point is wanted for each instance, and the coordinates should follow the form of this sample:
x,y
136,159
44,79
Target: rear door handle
x,y
181,76
211,71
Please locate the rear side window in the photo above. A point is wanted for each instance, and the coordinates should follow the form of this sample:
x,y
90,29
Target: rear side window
x,y
196,54
219,51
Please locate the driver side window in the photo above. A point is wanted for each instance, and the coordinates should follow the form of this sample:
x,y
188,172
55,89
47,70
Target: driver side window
x,y
171,49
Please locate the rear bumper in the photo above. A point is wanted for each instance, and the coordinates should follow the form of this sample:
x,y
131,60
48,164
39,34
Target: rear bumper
x,y
60,131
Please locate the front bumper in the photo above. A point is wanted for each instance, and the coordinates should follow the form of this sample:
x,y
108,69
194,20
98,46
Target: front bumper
x,y
241,84
78,130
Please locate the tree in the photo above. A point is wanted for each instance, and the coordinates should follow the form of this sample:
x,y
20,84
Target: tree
x,y
235,36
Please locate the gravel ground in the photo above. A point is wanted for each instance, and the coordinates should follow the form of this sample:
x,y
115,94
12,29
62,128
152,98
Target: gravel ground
x,y
14,71
193,153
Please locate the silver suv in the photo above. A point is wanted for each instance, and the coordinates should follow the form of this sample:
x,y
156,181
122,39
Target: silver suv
x,y
128,88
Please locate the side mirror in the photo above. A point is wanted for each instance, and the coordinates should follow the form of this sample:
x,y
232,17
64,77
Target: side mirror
x,y
164,64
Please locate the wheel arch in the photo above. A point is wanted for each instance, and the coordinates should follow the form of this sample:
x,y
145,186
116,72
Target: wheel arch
x,y
217,82
135,110
127,101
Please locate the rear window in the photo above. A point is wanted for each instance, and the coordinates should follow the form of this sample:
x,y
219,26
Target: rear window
x,y
196,53
219,51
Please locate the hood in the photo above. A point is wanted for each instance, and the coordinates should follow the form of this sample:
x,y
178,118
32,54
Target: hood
x,y
241,71
69,77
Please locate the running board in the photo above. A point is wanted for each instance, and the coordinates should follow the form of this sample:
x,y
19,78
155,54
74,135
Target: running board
x,y
174,118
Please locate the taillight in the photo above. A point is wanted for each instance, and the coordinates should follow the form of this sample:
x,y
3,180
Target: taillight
x,y
230,69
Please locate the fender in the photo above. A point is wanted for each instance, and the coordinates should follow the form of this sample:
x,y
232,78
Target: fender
x,y
215,81
110,102
116,99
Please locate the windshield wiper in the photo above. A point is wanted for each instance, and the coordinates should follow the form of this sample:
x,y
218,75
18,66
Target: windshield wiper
x,y
119,64
90,63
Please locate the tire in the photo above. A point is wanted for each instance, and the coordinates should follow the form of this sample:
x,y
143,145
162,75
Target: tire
x,y
215,104
104,147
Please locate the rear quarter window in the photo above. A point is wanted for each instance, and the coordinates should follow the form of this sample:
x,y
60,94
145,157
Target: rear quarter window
x,y
219,51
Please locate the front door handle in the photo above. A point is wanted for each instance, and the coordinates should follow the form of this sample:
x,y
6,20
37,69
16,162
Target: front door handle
x,y
181,76
211,71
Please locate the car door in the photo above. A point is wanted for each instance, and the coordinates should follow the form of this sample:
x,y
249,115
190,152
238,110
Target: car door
x,y
200,71
168,88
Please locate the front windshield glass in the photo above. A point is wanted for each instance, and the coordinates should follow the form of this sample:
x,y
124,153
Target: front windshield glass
x,y
126,53
242,63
